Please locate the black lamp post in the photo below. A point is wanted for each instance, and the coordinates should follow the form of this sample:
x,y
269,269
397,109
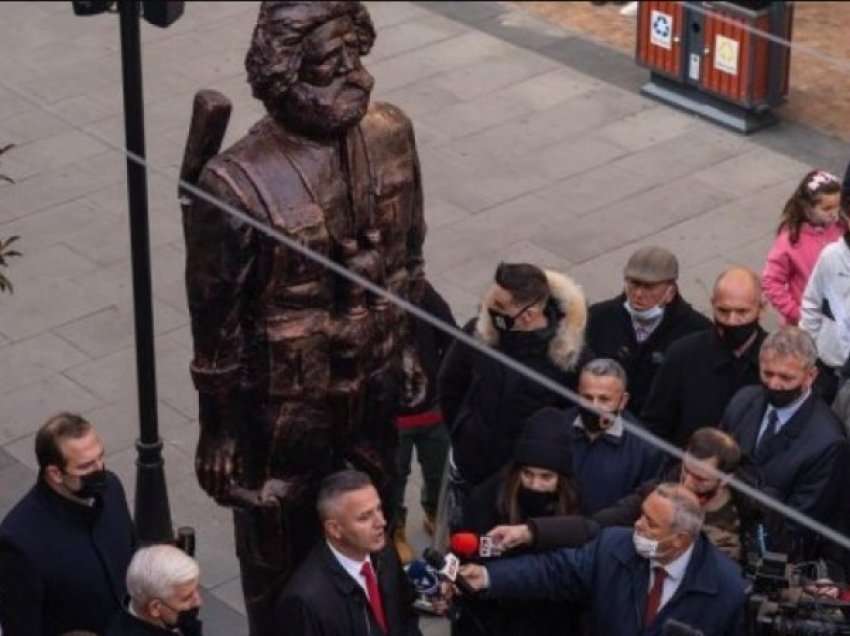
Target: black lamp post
x,y
152,512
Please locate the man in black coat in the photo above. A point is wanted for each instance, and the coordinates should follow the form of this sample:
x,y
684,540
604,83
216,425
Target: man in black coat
x,y
792,436
163,583
637,327
702,372
351,583
538,319
64,548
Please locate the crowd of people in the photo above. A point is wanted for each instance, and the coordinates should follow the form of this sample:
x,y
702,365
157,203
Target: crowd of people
x,y
593,528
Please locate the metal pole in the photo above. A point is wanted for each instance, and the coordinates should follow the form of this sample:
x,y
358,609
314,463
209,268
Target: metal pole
x,y
152,514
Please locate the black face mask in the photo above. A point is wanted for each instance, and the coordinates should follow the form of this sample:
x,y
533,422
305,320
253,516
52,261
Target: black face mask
x,y
779,398
187,621
505,322
734,336
591,421
92,484
535,503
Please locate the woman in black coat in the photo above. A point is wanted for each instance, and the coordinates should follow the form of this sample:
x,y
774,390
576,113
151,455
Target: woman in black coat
x,y
538,483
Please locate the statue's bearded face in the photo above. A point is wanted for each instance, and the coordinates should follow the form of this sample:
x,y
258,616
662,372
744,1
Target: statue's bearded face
x,y
332,91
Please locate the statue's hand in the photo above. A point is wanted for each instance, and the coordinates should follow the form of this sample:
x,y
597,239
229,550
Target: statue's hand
x,y
274,490
215,464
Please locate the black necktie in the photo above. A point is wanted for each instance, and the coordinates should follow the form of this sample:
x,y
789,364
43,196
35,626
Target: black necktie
x,y
769,432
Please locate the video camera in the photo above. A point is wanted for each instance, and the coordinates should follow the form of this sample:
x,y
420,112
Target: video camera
x,y
777,604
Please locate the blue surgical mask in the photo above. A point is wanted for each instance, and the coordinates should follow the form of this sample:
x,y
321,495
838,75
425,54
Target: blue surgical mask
x,y
645,315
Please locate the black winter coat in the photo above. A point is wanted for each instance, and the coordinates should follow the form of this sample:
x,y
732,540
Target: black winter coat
x,y
62,564
125,624
610,334
695,383
800,466
514,617
485,404
431,345
322,599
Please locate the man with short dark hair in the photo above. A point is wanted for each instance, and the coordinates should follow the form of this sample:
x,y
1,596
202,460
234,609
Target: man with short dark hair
x,y
637,327
701,372
538,319
792,436
609,461
64,548
352,581
633,581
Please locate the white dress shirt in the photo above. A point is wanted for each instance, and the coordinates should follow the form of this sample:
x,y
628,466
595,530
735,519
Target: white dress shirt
x,y
675,573
352,566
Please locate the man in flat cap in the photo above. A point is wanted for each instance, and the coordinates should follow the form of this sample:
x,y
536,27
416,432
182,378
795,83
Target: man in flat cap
x,y
638,326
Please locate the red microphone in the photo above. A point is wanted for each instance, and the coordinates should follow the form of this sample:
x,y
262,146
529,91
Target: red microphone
x,y
464,545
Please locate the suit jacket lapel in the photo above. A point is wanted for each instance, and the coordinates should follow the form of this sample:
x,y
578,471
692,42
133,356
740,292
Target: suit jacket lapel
x,y
792,428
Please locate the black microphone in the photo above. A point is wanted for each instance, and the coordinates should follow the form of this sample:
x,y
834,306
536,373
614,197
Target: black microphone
x,y
448,569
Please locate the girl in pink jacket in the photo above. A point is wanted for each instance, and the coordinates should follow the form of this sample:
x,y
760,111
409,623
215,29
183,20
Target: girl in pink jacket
x,y
809,222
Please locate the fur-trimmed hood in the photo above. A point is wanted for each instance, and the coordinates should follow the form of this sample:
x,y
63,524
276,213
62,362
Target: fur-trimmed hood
x,y
566,345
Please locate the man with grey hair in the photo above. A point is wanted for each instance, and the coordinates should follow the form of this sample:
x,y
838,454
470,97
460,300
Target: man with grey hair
x,y
162,582
609,461
792,436
634,581
637,326
352,581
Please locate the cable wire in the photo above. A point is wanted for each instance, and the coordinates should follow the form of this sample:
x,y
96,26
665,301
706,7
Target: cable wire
x,y
458,334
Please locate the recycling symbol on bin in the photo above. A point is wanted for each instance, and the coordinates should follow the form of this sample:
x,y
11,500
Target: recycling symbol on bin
x,y
661,26
661,33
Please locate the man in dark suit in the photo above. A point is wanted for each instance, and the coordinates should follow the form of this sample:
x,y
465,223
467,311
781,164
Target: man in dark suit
x,y
64,548
791,435
638,326
701,372
351,583
634,581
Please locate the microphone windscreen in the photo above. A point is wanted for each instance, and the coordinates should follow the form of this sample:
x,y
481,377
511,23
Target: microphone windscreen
x,y
424,578
433,558
464,544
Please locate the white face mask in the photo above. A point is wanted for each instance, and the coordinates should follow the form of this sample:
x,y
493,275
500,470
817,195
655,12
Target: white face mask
x,y
645,315
647,548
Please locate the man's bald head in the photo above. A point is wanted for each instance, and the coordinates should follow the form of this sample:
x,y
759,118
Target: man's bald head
x,y
740,282
736,303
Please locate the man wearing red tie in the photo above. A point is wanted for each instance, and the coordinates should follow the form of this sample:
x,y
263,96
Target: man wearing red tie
x,y
351,583
633,581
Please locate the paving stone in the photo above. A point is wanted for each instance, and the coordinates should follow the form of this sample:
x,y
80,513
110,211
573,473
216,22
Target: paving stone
x,y
491,74
752,171
219,618
411,35
546,90
570,118
49,227
560,161
27,408
648,127
15,480
53,302
35,359
230,592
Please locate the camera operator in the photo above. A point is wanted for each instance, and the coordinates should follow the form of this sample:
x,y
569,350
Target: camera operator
x,y
633,581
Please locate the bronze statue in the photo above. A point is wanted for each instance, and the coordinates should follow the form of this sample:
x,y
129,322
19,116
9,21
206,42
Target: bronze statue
x,y
299,372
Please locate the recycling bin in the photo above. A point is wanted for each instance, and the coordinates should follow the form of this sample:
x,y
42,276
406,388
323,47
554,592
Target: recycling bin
x,y
713,58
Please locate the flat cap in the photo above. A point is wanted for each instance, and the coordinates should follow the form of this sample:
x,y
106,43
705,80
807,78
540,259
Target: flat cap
x,y
652,265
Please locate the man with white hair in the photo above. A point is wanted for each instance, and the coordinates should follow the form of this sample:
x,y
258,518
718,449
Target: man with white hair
x,y
162,582
634,581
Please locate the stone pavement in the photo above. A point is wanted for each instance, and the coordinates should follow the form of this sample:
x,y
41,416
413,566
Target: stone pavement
x,y
534,145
